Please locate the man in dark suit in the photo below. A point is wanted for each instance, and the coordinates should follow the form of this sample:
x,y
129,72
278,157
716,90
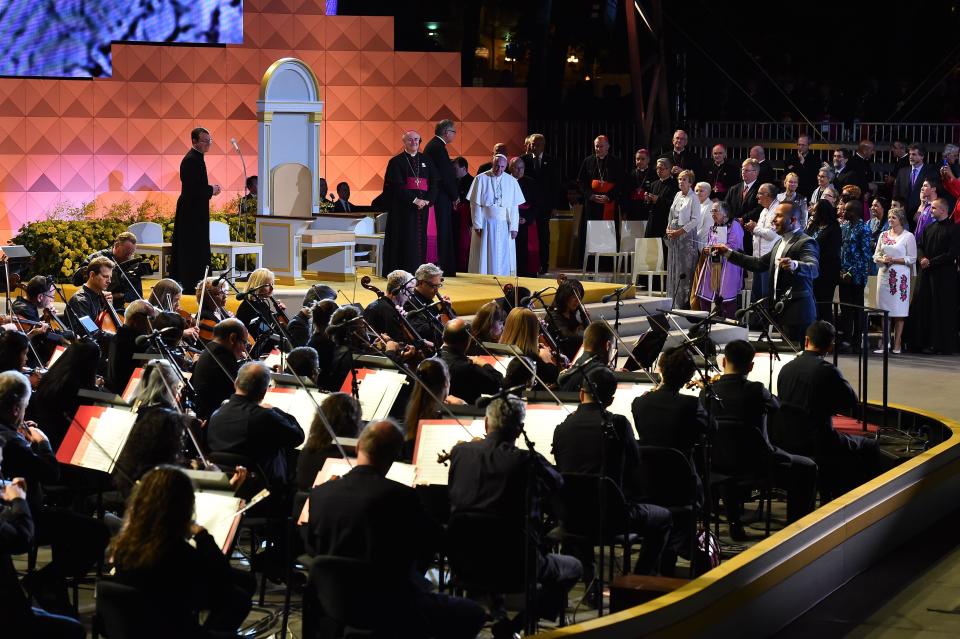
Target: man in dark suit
x,y
447,195
910,178
805,163
860,164
811,391
217,366
343,205
357,516
490,477
546,171
468,379
741,446
843,173
592,440
765,174
793,263
597,342
267,436
742,199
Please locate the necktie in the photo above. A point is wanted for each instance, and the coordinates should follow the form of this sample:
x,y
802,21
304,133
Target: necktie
x,y
746,190
913,176
536,164
346,205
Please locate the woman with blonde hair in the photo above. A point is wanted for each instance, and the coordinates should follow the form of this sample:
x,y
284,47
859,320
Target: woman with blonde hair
x,y
152,553
522,329
258,302
791,182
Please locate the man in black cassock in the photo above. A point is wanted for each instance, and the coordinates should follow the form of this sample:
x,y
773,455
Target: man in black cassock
x,y
409,188
601,180
932,324
447,195
191,226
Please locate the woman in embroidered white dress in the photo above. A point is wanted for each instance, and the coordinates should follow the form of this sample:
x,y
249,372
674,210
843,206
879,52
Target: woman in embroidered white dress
x,y
896,254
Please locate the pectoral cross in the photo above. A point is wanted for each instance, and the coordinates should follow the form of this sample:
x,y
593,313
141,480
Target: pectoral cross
x,y
417,182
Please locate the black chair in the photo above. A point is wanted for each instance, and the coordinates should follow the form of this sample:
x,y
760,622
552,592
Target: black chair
x,y
666,477
584,524
125,612
738,446
351,597
488,555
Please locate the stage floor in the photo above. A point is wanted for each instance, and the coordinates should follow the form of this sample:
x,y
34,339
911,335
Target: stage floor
x,y
468,291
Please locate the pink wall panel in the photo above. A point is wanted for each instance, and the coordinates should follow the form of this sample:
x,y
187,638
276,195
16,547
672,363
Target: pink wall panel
x,y
122,138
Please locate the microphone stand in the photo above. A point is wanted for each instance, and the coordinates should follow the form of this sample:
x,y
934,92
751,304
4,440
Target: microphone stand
x,y
155,339
243,164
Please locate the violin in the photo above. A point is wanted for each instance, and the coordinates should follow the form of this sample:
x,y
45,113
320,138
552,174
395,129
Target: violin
x,y
443,457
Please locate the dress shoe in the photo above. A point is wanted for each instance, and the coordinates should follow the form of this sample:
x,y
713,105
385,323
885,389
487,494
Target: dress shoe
x,y
737,533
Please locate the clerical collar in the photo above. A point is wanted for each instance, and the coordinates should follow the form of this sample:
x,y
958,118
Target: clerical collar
x,y
413,155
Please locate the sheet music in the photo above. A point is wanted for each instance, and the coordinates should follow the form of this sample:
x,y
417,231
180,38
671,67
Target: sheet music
x,y
130,391
378,391
294,400
96,437
335,467
761,368
216,511
542,420
273,360
57,353
434,436
499,362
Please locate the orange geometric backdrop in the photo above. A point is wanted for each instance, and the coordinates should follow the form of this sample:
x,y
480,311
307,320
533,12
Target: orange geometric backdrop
x,y
122,138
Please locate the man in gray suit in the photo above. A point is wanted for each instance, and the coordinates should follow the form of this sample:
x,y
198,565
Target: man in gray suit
x,y
793,263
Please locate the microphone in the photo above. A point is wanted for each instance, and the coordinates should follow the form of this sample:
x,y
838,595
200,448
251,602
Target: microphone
x,y
616,293
252,291
786,297
143,339
422,309
233,141
483,402
346,322
223,277
525,301
743,311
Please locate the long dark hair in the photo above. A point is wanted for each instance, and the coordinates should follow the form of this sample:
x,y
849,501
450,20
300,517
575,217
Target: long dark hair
x,y
436,375
824,214
157,519
155,439
75,369
343,413
488,315
565,292
13,345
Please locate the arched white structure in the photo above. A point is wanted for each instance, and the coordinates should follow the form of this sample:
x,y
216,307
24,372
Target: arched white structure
x,y
289,112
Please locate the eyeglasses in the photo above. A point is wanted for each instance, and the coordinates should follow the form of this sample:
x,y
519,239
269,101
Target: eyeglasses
x,y
432,285
829,196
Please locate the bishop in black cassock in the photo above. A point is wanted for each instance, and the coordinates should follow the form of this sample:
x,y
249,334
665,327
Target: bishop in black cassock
x,y
409,188
932,324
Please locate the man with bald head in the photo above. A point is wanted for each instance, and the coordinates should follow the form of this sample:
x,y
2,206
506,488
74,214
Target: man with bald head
x,y
363,515
470,377
682,157
720,174
766,173
267,436
601,179
217,366
410,186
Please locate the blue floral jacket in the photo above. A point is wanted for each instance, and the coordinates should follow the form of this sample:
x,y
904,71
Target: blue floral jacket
x,y
856,254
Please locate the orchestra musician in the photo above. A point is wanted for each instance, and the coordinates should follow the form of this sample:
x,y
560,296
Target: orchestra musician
x,y
259,303
92,298
469,376
214,293
487,326
120,362
428,322
522,330
124,289
35,308
383,314
567,318
215,370
597,342
165,296
319,340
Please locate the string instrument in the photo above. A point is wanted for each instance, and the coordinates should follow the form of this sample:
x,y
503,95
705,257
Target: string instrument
x,y
206,326
408,330
107,320
443,457
548,342
278,309
698,383
561,278
446,309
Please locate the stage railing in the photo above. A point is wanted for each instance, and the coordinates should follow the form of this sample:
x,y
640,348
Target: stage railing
x,y
863,357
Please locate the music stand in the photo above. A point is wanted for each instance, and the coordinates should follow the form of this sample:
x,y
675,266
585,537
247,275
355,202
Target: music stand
x,y
649,345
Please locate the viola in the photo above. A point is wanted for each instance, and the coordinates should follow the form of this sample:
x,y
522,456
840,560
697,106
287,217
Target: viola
x,y
408,330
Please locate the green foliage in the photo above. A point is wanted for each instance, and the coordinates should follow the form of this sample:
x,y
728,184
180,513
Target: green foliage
x,y
61,242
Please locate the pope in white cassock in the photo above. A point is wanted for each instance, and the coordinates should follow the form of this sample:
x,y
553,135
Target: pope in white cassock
x,y
495,198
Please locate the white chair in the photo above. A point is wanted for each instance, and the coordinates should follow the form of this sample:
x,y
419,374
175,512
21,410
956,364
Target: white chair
x,y
220,243
629,231
601,242
372,241
648,260
150,242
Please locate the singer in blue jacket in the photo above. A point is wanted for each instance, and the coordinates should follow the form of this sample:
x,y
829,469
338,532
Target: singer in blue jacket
x,y
793,263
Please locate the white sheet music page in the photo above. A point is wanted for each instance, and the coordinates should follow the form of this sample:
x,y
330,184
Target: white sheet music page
x,y
435,436
378,391
623,400
104,439
216,512
541,421
294,400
